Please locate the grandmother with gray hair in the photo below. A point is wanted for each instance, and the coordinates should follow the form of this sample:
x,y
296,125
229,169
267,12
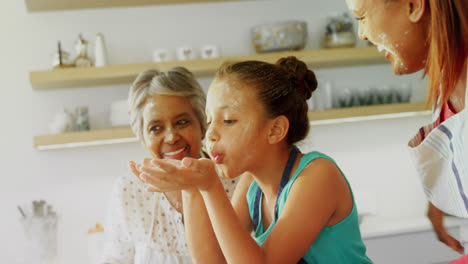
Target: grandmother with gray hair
x,y
167,116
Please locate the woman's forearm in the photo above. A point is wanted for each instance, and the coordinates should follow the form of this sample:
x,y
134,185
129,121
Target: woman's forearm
x,y
236,243
201,239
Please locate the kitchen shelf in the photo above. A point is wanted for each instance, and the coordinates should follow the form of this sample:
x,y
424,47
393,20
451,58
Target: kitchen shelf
x,y
54,5
126,73
125,134
365,113
85,138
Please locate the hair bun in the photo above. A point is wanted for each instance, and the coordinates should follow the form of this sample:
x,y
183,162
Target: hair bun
x,y
304,78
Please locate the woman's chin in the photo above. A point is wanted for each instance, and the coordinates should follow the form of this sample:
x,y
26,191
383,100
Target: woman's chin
x,y
398,68
401,68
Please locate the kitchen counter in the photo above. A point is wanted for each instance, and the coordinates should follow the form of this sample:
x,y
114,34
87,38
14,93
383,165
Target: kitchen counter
x,y
372,227
410,240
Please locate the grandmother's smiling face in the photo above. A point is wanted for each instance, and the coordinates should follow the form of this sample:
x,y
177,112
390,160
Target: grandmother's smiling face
x,y
171,129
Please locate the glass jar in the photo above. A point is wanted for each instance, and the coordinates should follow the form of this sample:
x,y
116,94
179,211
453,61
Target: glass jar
x,y
339,32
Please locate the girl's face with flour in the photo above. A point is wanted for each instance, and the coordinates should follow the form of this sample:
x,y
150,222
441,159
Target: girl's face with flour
x,y
236,134
397,27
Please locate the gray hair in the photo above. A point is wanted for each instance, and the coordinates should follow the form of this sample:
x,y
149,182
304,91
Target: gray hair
x,y
177,81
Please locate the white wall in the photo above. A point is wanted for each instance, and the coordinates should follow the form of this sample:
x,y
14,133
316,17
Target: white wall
x,y
77,181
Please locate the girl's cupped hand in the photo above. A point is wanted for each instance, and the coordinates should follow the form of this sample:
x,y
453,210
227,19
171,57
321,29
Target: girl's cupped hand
x,y
166,175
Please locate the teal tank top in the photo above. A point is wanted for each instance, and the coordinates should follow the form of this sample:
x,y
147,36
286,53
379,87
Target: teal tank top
x,y
340,243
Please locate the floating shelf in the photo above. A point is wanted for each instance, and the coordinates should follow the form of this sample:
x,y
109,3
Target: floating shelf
x,y
85,138
54,5
125,134
364,113
126,73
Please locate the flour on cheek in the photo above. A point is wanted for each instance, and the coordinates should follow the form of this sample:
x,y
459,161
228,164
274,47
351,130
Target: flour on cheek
x,y
387,45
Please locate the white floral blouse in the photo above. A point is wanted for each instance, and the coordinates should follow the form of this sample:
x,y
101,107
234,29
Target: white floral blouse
x,y
143,228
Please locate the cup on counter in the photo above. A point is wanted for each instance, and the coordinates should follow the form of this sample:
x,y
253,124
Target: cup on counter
x,y
185,53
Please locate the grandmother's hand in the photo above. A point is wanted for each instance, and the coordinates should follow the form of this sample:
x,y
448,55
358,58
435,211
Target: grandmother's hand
x,y
168,175
437,218
174,198
135,168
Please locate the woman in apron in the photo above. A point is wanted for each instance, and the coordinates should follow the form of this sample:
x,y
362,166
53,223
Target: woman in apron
x,y
430,35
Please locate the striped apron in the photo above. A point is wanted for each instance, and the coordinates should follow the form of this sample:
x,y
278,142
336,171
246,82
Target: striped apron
x,y
440,154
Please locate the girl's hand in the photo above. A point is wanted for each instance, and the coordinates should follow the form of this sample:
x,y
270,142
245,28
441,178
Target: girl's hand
x,y
168,175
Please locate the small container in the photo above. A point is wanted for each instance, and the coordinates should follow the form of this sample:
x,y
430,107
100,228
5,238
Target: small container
x,y
209,51
344,97
61,60
373,96
405,92
185,53
161,55
82,60
363,95
287,35
354,101
64,121
96,241
39,223
82,119
100,52
339,32
327,95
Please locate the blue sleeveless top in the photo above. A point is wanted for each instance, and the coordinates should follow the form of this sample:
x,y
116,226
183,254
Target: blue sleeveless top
x,y
340,243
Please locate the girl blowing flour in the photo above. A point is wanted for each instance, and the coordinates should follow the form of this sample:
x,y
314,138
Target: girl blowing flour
x,y
299,207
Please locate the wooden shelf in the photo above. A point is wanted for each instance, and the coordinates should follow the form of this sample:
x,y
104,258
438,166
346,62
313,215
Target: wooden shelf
x,y
125,134
54,5
126,73
363,113
85,138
